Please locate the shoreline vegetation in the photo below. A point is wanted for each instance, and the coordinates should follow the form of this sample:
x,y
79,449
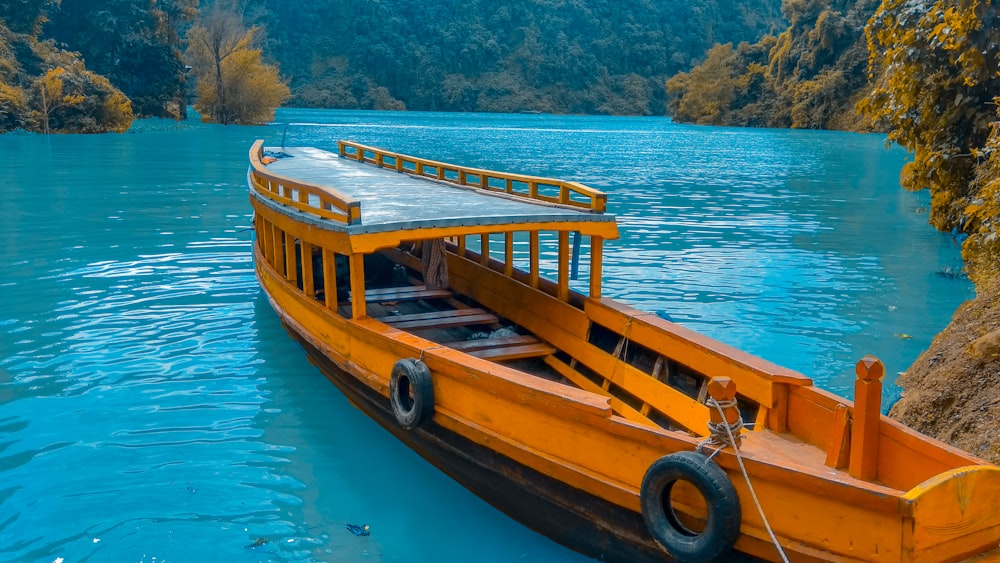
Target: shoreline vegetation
x,y
926,73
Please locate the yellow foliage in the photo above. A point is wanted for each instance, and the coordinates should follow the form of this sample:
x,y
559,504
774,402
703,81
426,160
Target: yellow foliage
x,y
933,68
234,85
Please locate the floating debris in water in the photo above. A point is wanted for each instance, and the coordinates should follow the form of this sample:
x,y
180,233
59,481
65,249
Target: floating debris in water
x,y
359,530
951,273
261,542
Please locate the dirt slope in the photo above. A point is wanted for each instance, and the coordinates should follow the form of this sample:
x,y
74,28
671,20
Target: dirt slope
x,y
952,391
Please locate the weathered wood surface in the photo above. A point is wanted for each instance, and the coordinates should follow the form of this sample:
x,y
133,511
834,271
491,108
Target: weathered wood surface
x,y
396,201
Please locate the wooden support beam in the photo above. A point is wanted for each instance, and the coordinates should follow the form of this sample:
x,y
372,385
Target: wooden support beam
x,y
562,291
291,272
359,308
596,267
508,254
330,279
306,251
533,268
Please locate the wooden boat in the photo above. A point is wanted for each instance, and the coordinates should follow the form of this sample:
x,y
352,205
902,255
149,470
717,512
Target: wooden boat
x,y
417,287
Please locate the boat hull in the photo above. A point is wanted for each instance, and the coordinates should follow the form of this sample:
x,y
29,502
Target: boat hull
x,y
550,507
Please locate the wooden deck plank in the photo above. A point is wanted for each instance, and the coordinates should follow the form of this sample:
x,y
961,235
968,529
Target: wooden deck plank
x,y
517,352
484,343
411,293
440,319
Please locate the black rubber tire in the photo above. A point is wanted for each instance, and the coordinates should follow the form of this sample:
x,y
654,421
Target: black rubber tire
x,y
723,523
411,377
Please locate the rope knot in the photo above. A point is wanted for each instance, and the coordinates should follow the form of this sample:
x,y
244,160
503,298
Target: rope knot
x,y
722,434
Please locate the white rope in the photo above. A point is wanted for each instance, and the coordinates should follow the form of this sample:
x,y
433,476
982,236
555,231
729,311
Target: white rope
x,y
729,439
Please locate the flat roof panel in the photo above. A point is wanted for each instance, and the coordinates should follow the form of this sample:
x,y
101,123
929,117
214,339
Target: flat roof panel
x,y
393,200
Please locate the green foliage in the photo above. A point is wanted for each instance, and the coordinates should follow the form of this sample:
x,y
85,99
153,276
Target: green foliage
x,y
75,100
982,249
134,43
808,76
234,85
46,89
576,56
934,68
26,16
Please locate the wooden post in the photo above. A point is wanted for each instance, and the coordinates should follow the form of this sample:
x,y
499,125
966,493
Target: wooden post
x,y
723,390
508,254
359,308
306,251
596,267
867,419
484,249
533,267
330,279
562,291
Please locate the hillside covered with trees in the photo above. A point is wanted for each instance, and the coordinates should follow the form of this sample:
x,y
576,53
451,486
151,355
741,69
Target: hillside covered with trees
x,y
809,76
564,56
93,66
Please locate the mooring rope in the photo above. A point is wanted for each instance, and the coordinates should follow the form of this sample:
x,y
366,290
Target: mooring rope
x,y
716,437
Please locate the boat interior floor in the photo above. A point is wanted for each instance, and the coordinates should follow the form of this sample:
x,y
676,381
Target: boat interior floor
x,y
460,323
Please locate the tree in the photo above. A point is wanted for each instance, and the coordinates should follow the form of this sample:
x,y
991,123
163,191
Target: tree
x,y
75,100
234,84
934,68
134,43
810,75
46,89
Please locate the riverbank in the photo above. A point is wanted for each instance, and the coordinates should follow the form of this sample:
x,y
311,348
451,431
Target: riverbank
x,y
952,390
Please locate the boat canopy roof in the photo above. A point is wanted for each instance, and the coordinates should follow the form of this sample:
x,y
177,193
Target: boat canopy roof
x,y
419,207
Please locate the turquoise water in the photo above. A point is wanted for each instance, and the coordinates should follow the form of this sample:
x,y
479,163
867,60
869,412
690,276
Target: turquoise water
x,y
153,409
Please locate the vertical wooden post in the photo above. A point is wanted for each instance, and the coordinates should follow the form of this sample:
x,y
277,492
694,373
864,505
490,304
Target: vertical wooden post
x,y
563,275
867,419
277,237
508,254
533,268
330,279
291,265
723,390
359,308
484,249
596,257
307,268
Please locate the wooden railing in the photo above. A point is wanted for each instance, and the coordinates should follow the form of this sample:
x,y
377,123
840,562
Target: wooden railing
x,y
572,194
304,196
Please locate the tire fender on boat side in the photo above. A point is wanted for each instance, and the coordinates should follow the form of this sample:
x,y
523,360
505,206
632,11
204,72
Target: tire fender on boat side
x,y
411,393
723,521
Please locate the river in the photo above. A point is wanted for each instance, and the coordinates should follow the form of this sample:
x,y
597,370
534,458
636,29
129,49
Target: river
x,y
153,409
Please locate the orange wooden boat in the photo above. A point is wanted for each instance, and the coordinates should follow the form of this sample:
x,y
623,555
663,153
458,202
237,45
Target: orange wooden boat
x,y
443,302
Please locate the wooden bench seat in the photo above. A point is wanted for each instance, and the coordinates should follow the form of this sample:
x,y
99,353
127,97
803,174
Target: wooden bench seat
x,y
407,293
516,352
506,348
440,319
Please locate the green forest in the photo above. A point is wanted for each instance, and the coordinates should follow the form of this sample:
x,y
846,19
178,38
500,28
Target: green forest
x,y
926,73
